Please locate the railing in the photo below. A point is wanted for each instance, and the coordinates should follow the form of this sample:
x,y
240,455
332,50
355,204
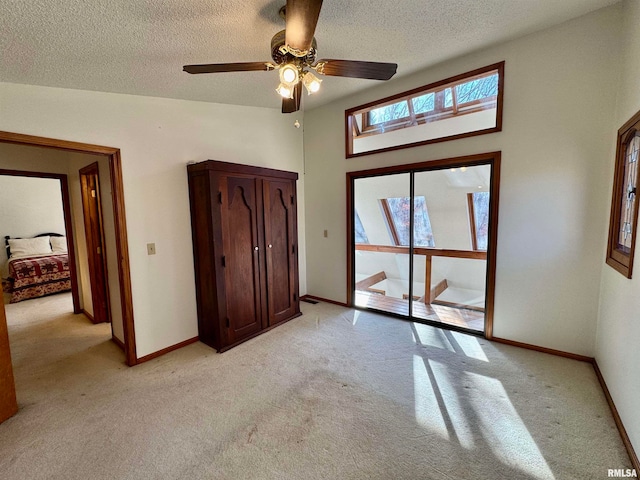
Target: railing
x,y
429,253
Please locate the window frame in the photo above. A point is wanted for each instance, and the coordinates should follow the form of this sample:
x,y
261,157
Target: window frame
x,y
440,112
617,258
390,223
472,222
492,159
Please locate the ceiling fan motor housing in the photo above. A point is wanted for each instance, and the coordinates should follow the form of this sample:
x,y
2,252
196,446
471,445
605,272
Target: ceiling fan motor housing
x,y
280,58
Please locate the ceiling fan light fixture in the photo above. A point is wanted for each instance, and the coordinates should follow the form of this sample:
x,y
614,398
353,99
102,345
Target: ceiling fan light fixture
x,y
285,91
289,74
293,51
311,82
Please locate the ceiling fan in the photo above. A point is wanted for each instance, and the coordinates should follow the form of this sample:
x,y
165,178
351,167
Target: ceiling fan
x,y
293,51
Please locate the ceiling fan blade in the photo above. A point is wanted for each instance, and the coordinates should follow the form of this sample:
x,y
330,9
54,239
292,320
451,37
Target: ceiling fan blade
x,y
228,67
301,18
357,69
290,105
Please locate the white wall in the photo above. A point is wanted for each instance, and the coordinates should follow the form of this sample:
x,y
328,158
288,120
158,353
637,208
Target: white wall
x,y
75,194
29,206
553,201
619,320
157,137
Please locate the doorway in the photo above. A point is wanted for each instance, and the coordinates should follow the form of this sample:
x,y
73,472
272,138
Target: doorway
x,y
66,230
112,155
94,235
422,241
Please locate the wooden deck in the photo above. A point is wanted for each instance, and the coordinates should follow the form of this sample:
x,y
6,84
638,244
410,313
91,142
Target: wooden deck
x,y
460,317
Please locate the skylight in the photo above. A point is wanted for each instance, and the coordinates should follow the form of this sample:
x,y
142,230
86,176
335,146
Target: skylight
x,y
361,235
397,213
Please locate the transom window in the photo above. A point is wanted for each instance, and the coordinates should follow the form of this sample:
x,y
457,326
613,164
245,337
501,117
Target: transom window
x,y
397,213
466,97
476,95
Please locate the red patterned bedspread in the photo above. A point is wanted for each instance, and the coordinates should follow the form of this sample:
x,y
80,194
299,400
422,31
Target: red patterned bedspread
x,y
39,276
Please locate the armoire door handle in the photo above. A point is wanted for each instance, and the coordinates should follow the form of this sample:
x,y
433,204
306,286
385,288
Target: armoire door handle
x,y
270,246
255,248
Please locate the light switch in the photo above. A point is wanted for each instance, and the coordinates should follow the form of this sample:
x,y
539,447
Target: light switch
x,y
151,248
326,233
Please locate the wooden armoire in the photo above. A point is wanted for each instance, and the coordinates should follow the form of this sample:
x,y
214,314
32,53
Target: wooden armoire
x,y
245,245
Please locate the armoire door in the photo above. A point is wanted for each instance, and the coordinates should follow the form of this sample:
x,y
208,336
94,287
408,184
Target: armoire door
x,y
241,257
280,234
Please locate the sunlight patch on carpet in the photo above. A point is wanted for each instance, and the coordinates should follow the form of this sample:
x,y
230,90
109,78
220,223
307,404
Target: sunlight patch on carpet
x,y
503,429
428,414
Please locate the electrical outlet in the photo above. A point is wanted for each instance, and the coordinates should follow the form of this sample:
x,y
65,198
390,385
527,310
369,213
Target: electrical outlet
x,y
151,248
326,233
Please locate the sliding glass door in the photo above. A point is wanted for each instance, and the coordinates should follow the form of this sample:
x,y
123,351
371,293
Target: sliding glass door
x,y
423,243
382,233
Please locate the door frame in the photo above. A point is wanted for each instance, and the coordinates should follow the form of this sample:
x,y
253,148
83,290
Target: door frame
x,y
490,158
117,193
93,169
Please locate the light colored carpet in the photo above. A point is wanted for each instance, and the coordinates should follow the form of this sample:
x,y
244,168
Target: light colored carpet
x,y
334,394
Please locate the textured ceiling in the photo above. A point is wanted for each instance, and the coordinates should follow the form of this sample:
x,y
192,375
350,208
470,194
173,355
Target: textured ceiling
x,y
140,46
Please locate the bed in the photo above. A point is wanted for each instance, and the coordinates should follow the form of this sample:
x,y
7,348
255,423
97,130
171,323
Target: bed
x,y
37,266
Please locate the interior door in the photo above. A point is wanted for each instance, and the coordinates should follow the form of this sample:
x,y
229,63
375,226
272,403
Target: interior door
x,y
242,256
94,233
279,210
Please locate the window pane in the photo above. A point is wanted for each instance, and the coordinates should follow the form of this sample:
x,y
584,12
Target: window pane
x,y
628,194
481,218
477,89
448,99
381,278
361,235
422,234
424,103
399,209
388,113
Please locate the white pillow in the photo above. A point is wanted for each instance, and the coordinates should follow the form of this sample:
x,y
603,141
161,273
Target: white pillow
x,y
27,247
59,245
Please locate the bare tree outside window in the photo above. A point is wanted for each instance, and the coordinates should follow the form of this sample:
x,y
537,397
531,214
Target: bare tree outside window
x,y
477,89
424,103
389,113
